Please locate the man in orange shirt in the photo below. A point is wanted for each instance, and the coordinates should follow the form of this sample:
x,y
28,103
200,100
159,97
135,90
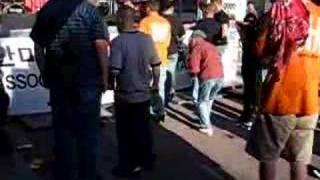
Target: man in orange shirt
x,y
160,30
289,104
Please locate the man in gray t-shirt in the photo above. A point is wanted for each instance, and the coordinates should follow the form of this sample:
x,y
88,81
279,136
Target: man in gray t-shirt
x,y
134,64
133,55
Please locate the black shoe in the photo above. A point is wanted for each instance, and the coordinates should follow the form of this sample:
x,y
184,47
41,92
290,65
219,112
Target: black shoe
x,y
126,172
159,118
150,164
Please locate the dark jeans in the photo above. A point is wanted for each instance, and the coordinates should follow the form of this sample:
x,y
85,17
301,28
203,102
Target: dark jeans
x,y
76,131
134,134
4,104
249,74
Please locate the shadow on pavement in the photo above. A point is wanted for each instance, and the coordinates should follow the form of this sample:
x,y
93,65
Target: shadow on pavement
x,y
224,115
176,159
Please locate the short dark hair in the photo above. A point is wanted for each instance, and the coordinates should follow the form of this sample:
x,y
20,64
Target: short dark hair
x,y
126,13
154,5
125,17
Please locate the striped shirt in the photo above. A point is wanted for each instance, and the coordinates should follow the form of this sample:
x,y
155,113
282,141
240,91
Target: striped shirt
x,y
78,36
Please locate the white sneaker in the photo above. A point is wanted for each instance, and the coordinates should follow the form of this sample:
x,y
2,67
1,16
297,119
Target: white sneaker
x,y
316,173
207,131
248,125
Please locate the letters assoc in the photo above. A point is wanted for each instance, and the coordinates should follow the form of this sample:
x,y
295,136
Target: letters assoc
x,y
16,80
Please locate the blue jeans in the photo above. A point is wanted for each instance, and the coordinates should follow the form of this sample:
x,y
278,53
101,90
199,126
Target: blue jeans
x,y
162,83
195,90
208,90
75,114
199,14
172,66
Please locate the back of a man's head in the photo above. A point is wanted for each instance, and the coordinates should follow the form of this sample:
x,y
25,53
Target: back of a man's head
x,y
125,18
209,9
153,5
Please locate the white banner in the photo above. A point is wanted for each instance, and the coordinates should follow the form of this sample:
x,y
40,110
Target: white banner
x,y
24,85
235,7
22,79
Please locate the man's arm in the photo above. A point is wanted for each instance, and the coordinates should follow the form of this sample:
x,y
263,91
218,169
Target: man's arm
x,y
102,52
225,28
181,31
224,25
156,77
116,62
100,37
155,62
39,53
194,61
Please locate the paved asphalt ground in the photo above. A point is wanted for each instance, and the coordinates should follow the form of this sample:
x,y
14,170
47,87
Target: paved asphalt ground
x,y
182,152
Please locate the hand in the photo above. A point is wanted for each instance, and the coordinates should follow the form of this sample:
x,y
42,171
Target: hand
x,y
155,89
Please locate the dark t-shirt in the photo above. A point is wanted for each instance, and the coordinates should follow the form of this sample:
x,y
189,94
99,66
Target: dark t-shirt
x,y
248,41
133,53
210,27
222,18
177,31
250,29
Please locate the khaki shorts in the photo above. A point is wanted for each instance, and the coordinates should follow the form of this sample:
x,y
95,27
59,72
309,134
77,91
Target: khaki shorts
x,y
288,136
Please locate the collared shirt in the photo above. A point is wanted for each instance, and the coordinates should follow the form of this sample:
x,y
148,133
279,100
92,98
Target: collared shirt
x,y
132,55
205,61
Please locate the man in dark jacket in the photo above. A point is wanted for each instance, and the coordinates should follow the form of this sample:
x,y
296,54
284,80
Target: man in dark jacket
x,y
75,72
4,102
249,64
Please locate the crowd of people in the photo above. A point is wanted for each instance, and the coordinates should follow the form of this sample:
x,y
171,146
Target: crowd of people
x,y
280,69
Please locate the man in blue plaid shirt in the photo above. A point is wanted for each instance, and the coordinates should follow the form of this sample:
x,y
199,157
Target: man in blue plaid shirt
x,y
71,51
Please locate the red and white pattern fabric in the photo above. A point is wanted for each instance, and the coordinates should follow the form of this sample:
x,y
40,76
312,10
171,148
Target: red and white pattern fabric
x,y
288,27
33,6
